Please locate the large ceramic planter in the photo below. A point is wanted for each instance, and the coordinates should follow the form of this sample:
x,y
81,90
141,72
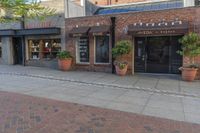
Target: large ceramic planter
x,y
121,72
188,74
64,64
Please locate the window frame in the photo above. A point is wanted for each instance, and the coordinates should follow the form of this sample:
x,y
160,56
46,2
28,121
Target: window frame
x,y
77,52
97,63
42,52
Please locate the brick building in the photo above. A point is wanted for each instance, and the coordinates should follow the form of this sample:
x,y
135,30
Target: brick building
x,y
117,2
43,39
152,34
114,2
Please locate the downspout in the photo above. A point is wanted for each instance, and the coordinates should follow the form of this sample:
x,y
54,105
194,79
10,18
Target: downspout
x,y
67,8
113,24
23,42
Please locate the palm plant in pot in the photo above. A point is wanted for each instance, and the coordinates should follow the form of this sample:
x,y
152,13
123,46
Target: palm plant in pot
x,y
191,49
64,60
122,48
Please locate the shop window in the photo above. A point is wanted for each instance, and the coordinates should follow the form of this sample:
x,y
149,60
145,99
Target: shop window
x,y
197,2
102,49
44,49
0,49
82,50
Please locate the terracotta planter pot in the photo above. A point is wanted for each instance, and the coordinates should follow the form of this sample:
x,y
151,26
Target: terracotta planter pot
x,y
121,72
188,74
64,64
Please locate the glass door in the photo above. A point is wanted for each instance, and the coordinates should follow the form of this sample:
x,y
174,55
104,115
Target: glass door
x,y
157,54
140,54
18,55
157,58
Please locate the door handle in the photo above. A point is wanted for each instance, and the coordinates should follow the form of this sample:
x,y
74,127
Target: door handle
x,y
143,57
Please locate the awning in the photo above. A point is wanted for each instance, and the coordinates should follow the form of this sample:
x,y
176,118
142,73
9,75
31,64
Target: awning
x,y
169,28
7,32
39,31
26,32
79,31
100,30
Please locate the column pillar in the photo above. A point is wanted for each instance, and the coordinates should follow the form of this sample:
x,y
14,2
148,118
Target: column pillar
x,y
188,3
133,56
7,51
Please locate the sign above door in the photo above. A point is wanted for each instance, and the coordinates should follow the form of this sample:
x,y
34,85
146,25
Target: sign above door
x,y
159,28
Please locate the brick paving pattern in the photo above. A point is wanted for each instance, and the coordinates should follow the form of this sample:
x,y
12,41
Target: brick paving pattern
x,y
27,114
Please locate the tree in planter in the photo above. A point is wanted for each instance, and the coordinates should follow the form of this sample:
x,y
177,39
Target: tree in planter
x,y
22,10
64,60
122,48
191,49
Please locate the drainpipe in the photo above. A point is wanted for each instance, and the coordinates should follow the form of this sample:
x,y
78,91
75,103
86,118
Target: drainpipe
x,y
23,42
113,24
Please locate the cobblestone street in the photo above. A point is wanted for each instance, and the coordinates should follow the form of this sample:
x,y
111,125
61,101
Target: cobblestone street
x,y
26,114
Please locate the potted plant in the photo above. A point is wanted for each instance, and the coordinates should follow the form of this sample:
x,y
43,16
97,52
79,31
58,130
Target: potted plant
x,y
191,49
122,48
64,60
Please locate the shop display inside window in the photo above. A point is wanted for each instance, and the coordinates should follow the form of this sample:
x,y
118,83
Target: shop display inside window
x,y
0,49
44,49
82,50
102,49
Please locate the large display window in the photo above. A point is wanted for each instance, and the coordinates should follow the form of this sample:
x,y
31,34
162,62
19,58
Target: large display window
x,y
102,49
0,49
44,48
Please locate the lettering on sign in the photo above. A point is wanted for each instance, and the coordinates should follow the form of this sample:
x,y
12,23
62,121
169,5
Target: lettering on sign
x,y
45,24
84,51
77,35
160,32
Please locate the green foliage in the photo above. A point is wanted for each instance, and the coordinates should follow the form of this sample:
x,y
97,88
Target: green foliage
x,y
121,65
64,55
17,10
190,46
122,47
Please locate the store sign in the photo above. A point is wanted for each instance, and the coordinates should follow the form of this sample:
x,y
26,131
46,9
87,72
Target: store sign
x,y
84,50
161,32
77,35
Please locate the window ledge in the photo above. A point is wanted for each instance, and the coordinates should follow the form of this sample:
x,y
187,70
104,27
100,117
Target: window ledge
x,y
102,64
83,64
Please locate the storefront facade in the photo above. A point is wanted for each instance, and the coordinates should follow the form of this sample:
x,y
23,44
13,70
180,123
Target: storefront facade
x,y
41,46
36,42
154,36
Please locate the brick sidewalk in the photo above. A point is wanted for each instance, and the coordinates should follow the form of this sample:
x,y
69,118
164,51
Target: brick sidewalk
x,y
26,114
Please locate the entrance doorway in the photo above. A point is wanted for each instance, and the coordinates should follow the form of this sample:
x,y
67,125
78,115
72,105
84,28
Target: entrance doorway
x,y
157,54
18,54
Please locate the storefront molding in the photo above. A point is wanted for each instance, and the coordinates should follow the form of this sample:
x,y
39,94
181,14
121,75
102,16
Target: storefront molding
x,y
7,32
36,31
39,31
161,28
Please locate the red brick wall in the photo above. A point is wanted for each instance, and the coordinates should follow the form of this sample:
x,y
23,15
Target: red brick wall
x,y
113,2
123,20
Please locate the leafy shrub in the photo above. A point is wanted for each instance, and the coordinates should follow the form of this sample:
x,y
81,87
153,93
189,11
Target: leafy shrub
x,y
123,47
64,55
190,47
121,65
